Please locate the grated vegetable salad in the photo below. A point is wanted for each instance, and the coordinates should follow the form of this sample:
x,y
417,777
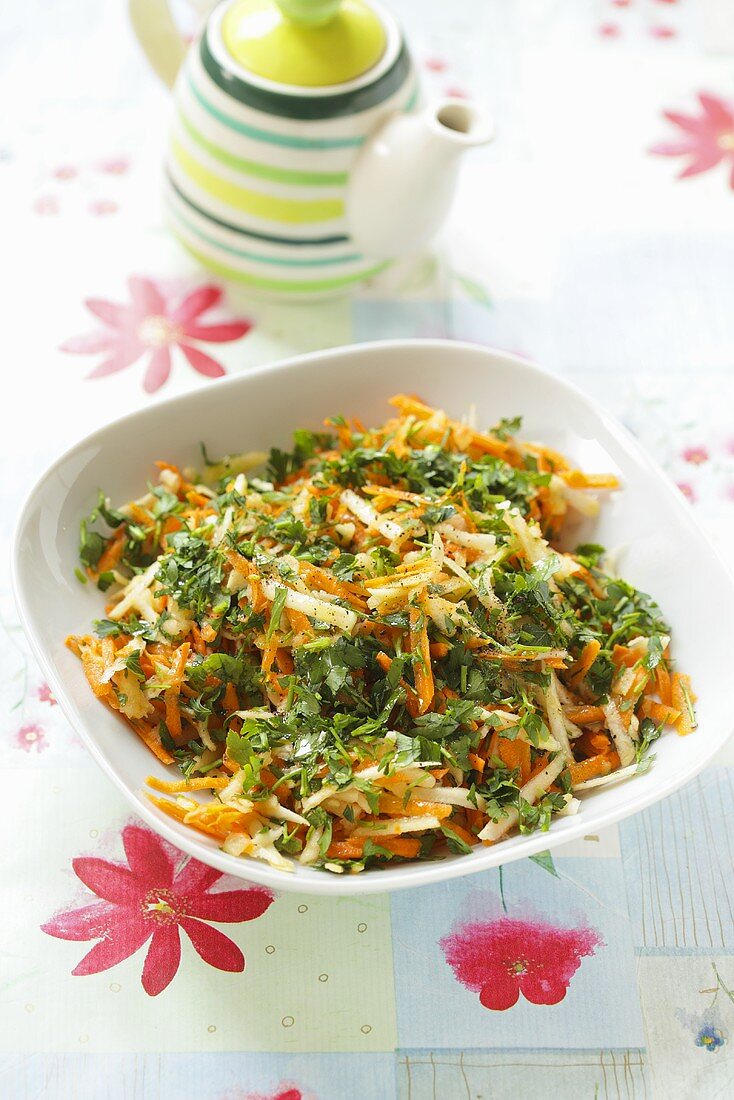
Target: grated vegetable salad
x,y
371,647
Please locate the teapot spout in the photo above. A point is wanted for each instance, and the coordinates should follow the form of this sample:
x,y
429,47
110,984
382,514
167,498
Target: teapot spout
x,y
404,178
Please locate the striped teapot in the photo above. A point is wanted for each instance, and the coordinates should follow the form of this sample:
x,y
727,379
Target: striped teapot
x,y
301,161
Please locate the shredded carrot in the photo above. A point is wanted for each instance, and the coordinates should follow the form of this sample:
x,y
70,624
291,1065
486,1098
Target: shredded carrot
x,y
199,643
590,581
585,715
588,655
229,765
660,713
231,702
663,683
319,578
579,480
112,552
151,738
171,696
394,544
463,834
178,813
178,786
414,807
683,699
594,766
412,701
622,655
284,661
541,763
407,847
95,665
476,761
271,648
239,563
299,622
422,670
592,744
508,752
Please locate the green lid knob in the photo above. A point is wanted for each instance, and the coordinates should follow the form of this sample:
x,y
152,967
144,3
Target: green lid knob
x,y
308,43
309,13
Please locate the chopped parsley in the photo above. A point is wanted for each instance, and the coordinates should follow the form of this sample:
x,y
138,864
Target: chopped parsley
x,y
382,626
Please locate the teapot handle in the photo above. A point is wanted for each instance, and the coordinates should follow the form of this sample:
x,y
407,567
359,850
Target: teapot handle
x,y
158,36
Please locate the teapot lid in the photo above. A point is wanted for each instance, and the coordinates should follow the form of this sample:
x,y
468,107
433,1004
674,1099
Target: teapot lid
x,y
310,43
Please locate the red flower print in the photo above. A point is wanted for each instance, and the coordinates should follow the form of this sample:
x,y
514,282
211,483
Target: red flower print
x,y
283,1092
707,139
45,695
503,958
31,736
695,455
151,900
150,325
609,30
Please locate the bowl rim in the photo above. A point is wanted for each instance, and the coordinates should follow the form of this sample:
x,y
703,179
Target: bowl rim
x,y
416,874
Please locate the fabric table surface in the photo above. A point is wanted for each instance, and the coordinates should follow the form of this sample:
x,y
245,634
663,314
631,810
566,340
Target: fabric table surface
x,y
595,237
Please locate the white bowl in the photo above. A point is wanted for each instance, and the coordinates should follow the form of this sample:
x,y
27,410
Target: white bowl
x,y
661,551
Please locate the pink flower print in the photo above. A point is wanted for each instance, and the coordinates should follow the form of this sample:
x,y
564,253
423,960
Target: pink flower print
x,y
150,325
609,30
150,900
31,737
707,139
100,207
114,166
688,492
46,204
500,959
45,695
65,172
621,3
663,32
695,455
436,64
456,92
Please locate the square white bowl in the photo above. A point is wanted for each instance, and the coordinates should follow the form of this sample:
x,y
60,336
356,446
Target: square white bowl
x,y
661,550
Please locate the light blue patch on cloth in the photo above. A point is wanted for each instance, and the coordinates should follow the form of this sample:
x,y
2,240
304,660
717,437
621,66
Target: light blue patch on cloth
x,y
600,1008
207,1076
677,859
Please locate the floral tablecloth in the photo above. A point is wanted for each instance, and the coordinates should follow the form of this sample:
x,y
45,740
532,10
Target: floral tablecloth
x,y
597,237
